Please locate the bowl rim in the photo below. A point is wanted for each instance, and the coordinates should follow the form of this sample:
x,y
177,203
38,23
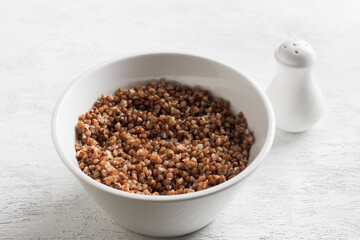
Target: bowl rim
x,y
81,176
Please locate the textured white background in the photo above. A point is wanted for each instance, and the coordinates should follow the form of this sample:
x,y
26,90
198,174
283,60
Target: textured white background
x,y
308,186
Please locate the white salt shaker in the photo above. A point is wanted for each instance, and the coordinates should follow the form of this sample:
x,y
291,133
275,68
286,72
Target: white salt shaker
x,y
295,96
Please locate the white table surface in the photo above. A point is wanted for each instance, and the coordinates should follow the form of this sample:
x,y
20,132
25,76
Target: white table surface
x,y
308,187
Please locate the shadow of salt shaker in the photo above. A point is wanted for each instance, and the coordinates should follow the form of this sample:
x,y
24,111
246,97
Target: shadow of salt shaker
x,y
295,96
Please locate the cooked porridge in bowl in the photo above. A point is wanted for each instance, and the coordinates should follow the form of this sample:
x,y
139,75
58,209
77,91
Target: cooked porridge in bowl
x,y
162,139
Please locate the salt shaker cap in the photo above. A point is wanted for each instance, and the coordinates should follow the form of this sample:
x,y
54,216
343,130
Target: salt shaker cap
x,y
295,53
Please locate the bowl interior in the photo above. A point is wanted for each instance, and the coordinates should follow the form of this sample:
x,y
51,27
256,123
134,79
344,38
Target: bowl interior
x,y
220,80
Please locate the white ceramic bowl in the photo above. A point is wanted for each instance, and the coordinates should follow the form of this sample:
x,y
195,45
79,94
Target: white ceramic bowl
x,y
163,216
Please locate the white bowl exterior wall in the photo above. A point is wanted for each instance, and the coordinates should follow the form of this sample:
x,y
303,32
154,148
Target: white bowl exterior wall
x,y
164,218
